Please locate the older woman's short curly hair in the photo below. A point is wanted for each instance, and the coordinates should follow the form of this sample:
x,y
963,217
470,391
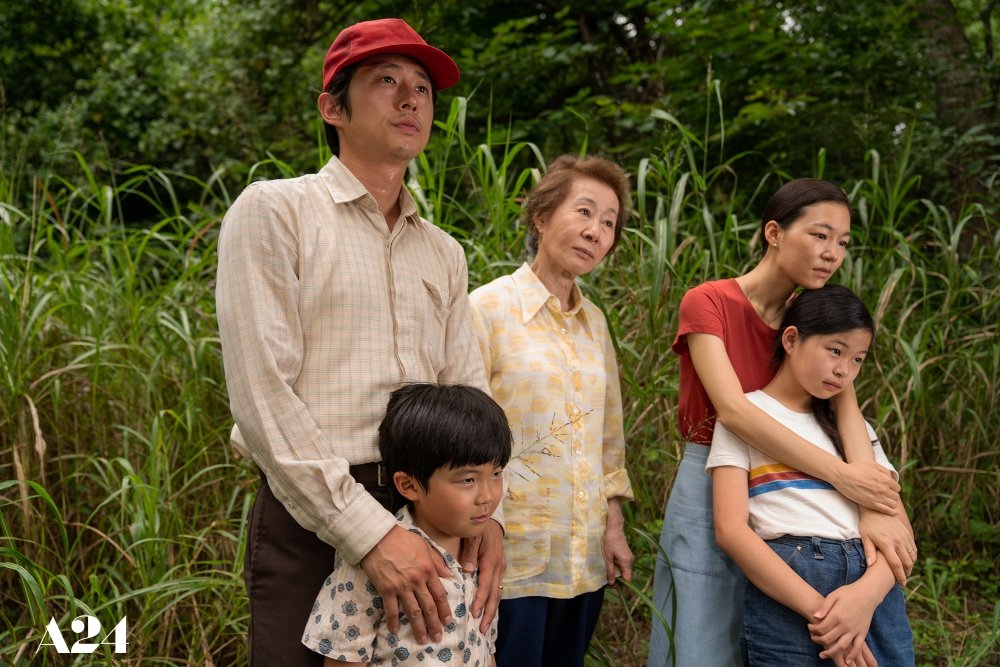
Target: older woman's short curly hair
x,y
554,186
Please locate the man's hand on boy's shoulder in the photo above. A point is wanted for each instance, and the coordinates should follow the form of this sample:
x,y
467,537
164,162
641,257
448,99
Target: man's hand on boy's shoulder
x,y
485,553
406,570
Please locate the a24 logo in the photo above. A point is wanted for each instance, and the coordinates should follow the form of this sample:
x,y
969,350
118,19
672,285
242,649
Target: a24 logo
x,y
92,627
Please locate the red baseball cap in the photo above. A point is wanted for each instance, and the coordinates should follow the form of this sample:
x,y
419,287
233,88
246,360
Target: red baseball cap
x,y
369,38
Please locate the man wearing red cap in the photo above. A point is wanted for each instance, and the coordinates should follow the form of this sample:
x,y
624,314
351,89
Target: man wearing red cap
x,y
332,292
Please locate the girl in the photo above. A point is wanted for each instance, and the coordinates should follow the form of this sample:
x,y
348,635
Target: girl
x,y
804,542
725,341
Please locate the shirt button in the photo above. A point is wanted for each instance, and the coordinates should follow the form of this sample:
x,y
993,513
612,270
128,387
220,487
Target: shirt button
x,y
576,411
563,331
579,494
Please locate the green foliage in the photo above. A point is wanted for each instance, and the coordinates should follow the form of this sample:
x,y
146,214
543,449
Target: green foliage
x,y
44,44
119,494
202,87
192,86
111,369
117,489
952,633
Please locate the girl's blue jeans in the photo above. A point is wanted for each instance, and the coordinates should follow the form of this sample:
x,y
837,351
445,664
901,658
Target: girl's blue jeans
x,y
776,636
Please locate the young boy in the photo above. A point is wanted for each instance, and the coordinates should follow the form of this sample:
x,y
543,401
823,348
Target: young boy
x,y
444,448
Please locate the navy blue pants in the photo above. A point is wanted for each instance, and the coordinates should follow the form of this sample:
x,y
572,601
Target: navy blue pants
x,y
546,632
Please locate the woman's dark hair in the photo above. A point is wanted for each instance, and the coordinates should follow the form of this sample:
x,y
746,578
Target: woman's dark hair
x,y
431,426
815,312
339,84
786,205
553,188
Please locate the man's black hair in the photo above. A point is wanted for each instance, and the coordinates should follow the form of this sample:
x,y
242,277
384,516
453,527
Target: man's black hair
x,y
431,426
337,89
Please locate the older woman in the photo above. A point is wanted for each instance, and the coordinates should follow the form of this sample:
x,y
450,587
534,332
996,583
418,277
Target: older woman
x,y
551,365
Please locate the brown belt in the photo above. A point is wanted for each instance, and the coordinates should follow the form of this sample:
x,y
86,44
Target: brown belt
x,y
370,474
367,474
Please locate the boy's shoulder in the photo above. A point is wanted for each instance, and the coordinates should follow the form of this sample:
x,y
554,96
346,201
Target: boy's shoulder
x,y
405,520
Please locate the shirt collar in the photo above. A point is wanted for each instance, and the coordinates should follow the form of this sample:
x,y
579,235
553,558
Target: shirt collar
x,y
535,295
344,187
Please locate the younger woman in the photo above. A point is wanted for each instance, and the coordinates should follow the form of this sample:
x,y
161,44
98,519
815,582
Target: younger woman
x,y
802,543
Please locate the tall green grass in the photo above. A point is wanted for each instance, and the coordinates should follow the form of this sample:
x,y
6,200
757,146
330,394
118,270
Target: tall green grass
x,y
120,497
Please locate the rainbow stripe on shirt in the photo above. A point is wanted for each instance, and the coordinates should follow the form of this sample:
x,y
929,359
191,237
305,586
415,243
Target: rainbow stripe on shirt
x,y
776,477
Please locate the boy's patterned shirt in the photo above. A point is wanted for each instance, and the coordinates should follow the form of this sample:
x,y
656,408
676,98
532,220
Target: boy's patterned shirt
x,y
348,619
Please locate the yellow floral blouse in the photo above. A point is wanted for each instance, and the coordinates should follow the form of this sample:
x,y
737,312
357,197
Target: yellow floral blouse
x,y
556,376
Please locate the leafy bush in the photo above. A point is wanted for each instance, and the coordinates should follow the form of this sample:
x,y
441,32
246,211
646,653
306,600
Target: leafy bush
x,y
120,496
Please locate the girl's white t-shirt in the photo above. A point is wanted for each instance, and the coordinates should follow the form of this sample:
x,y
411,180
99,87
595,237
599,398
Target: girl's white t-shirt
x,y
782,500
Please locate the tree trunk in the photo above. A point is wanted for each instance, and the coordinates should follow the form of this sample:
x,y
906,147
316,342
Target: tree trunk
x,y
966,92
